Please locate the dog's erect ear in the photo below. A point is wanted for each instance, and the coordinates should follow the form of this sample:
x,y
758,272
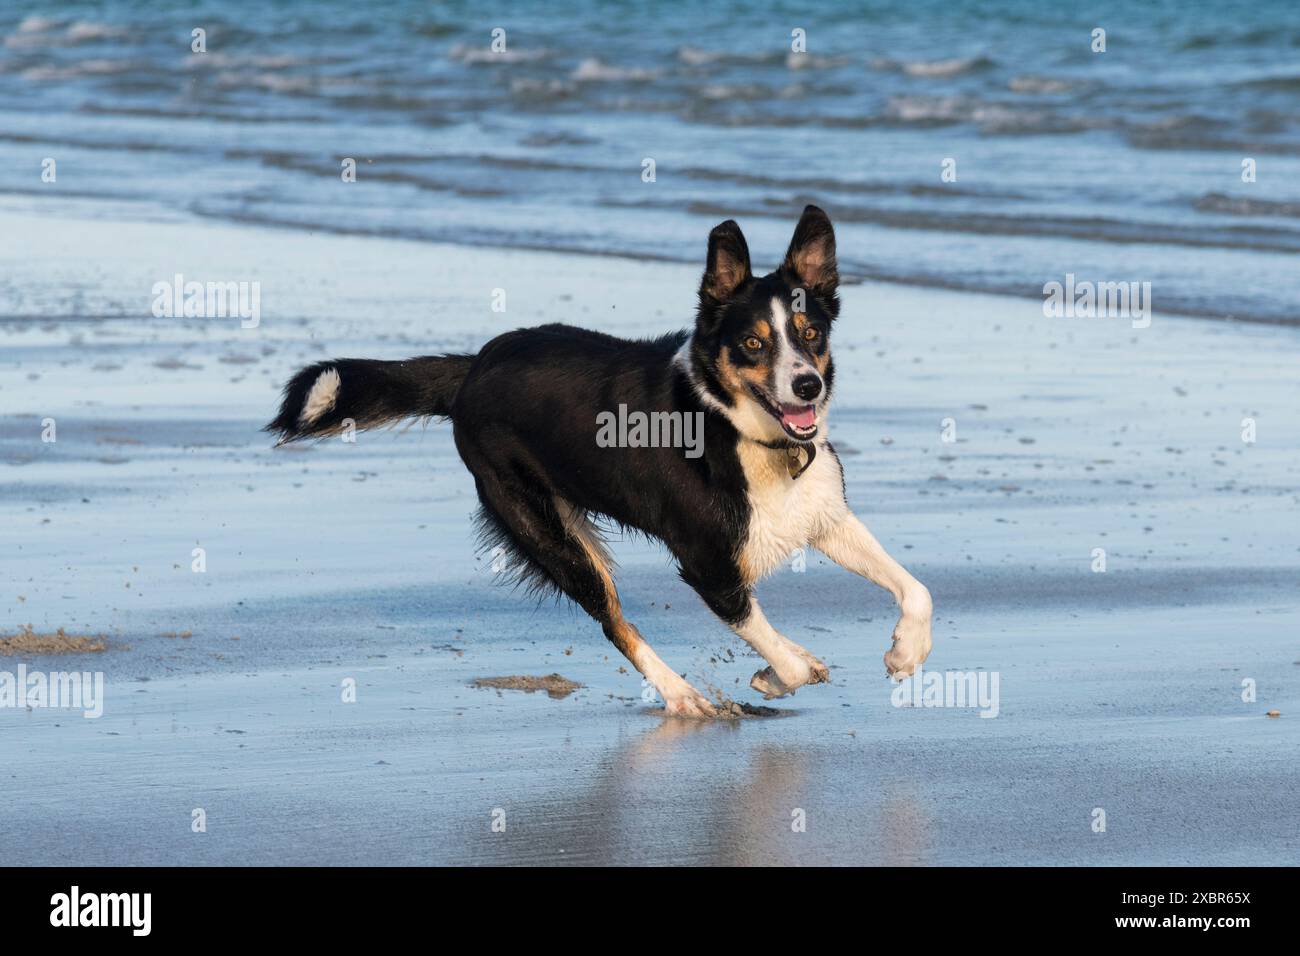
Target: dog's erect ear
x,y
810,260
728,264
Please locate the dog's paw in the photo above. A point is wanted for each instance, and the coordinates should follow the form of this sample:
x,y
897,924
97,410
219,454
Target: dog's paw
x,y
801,668
821,674
693,705
768,684
910,649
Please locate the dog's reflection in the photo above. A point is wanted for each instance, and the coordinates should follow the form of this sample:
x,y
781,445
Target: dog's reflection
x,y
718,793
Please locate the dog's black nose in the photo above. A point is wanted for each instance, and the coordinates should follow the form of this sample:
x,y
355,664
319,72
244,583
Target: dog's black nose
x,y
807,386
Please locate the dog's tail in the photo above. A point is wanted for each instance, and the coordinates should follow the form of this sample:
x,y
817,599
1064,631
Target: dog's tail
x,y
323,398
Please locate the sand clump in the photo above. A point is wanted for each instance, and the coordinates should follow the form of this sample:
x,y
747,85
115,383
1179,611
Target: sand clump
x,y
736,709
556,687
27,641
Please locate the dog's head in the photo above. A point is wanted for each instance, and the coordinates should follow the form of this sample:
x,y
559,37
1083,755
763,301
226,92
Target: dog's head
x,y
762,345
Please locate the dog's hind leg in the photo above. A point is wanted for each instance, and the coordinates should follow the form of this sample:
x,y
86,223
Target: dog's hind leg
x,y
680,698
561,548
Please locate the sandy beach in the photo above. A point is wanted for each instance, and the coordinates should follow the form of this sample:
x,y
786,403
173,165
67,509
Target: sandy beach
x,y
340,565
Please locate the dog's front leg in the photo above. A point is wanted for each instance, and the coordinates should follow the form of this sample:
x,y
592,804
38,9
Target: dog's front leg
x,y
791,667
849,544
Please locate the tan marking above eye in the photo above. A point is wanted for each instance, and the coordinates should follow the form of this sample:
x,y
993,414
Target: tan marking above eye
x,y
763,328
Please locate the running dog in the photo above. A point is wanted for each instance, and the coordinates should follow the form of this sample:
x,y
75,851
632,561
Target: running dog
x,y
766,481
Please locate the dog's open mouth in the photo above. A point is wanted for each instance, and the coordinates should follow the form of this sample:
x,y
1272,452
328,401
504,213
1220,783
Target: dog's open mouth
x,y
799,421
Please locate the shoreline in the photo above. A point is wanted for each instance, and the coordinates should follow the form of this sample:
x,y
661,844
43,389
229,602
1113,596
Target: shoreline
x,y
135,210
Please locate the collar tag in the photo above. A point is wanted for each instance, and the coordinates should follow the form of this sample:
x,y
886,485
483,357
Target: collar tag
x,y
794,462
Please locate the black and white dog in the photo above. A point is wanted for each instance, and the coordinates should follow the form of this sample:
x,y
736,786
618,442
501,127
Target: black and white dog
x,y
757,371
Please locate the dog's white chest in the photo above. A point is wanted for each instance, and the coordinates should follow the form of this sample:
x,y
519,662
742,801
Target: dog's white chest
x,y
786,513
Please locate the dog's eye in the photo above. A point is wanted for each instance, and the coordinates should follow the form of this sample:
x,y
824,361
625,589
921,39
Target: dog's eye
x,y
810,334
753,343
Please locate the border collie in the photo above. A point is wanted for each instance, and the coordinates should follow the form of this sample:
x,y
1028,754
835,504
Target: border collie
x,y
756,368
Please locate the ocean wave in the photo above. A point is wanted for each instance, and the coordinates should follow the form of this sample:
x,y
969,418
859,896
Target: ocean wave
x,y
920,112
464,53
929,109
990,117
935,69
1038,84
592,70
547,138
1245,206
734,91
809,61
271,82
542,90
76,70
35,31
424,110
27,41
436,165
1202,141
694,56
1288,83
823,184
1258,36
1089,229
82,143
84,31
435,29
278,61
205,112
38,24
441,171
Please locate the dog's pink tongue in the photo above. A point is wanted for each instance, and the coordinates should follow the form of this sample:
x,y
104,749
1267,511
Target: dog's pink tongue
x,y
804,417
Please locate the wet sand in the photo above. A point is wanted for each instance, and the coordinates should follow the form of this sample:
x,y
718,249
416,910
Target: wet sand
x,y
333,563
